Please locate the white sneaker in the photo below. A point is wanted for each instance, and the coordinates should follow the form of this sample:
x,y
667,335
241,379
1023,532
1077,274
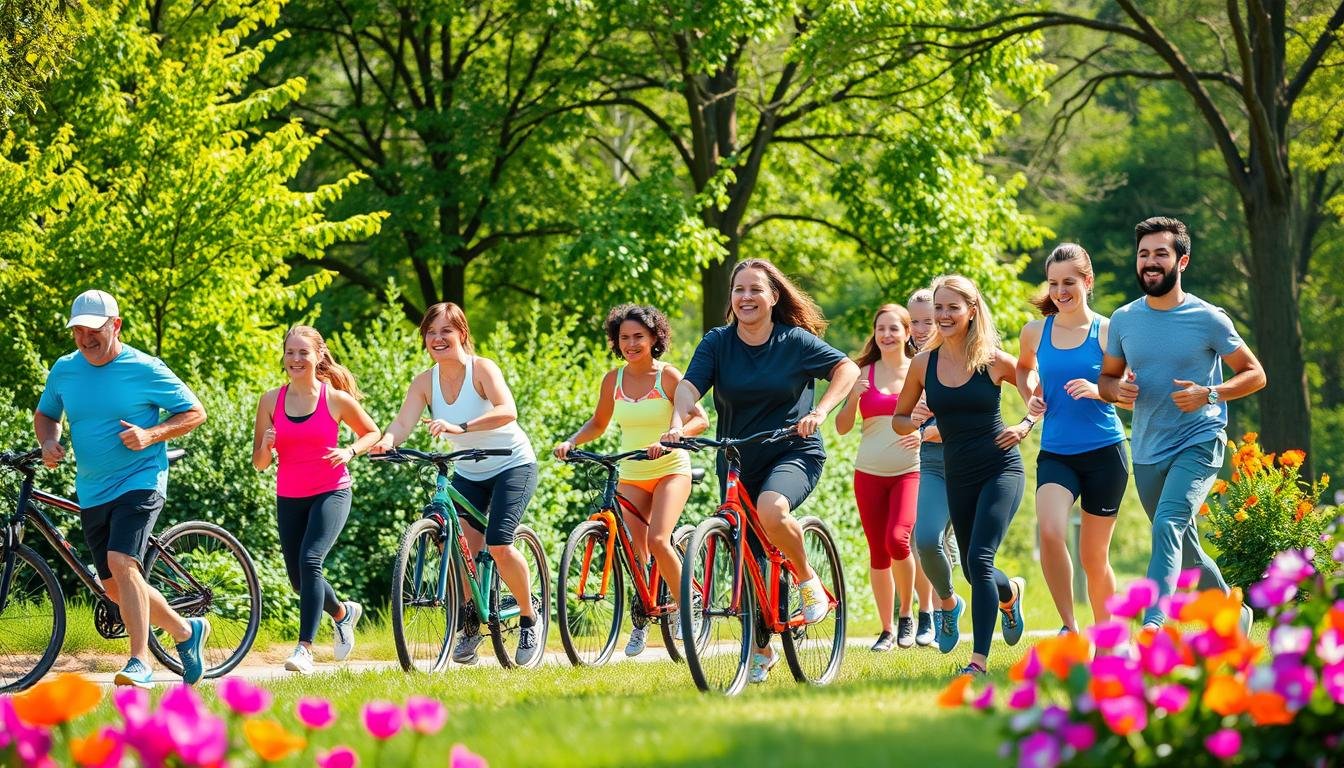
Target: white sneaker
x,y
761,666
301,660
637,641
815,604
343,631
697,617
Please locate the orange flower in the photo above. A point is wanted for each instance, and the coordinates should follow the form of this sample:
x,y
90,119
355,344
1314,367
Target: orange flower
x,y
1336,619
270,740
1250,501
95,749
956,692
57,701
1220,487
1293,458
1217,534
1226,695
1268,460
1252,466
1304,508
1236,476
1250,437
1269,708
1204,509
1241,516
1215,610
1059,654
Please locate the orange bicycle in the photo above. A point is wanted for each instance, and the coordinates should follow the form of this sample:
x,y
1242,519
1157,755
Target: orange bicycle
x,y
739,596
593,568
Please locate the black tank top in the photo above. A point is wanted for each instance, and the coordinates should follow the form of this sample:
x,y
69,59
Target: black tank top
x,y
968,421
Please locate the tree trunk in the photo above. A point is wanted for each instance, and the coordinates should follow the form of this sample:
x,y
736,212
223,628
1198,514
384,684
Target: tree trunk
x,y
714,286
455,282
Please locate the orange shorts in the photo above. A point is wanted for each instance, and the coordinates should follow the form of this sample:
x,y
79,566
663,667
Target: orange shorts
x,y
649,485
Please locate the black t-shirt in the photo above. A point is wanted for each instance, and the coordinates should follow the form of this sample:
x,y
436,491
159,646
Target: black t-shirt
x,y
762,387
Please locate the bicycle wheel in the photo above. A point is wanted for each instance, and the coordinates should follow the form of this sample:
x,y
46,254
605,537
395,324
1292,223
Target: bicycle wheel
x,y
815,651
202,570
424,615
671,621
504,632
32,621
721,655
590,613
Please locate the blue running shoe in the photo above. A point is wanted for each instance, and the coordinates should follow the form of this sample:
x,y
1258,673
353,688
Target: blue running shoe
x,y
949,629
136,673
190,651
937,624
1011,617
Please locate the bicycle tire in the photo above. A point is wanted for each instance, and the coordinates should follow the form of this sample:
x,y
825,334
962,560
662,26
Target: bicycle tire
x,y
503,632
721,656
415,583
816,651
231,601
589,627
670,621
16,627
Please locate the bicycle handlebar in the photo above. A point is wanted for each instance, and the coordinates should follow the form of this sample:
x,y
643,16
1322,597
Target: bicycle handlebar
x,y
21,459
408,455
699,443
577,456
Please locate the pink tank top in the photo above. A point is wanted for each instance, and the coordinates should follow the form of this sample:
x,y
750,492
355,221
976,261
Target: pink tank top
x,y
300,446
874,403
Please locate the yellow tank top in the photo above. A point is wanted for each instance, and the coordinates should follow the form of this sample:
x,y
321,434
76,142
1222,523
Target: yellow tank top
x,y
642,422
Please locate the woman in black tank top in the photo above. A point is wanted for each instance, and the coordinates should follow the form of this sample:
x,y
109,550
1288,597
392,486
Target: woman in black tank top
x,y
961,375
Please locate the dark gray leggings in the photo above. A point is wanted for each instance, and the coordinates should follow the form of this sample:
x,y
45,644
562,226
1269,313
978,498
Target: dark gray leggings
x,y
932,522
308,529
981,512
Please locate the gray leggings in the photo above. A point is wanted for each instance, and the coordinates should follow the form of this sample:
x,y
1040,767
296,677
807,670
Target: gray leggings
x,y
933,521
308,528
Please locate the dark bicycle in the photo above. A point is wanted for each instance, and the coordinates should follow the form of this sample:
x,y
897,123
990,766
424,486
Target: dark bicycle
x,y
198,567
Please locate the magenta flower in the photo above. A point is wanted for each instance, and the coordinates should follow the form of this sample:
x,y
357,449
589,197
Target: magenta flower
x,y
1224,744
382,719
1033,668
1169,698
1109,634
1286,638
143,729
199,737
1209,643
985,700
1120,670
1338,554
1124,714
1079,736
1161,656
1332,678
426,715
338,757
1330,647
31,744
1140,596
315,714
242,697
1292,565
1039,750
1023,697
1293,680
1173,604
464,758
1189,579
1054,717
1271,592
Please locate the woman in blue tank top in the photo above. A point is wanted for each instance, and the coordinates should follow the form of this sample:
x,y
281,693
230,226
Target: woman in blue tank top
x,y
1082,441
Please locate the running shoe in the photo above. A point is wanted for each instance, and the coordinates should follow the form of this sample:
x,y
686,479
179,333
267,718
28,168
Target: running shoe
x,y
697,617
972,669
528,647
815,604
301,660
949,632
761,666
1247,618
924,633
190,651
136,673
637,641
465,651
905,631
937,623
1011,616
885,642
343,631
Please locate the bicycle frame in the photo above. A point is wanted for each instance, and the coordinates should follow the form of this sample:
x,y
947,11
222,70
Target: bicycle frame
x,y
617,529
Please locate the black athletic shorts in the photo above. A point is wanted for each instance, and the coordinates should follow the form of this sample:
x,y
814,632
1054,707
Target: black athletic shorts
x,y
1098,476
121,525
501,499
793,475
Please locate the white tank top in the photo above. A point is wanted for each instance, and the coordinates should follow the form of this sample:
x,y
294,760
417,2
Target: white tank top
x,y
469,405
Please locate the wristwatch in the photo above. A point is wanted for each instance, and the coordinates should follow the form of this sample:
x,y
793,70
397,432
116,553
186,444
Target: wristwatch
x,y
462,426
1213,396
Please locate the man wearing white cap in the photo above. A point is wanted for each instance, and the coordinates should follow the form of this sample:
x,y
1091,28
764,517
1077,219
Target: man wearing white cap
x,y
113,396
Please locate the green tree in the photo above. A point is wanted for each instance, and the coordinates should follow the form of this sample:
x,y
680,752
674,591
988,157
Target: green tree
x,y
35,38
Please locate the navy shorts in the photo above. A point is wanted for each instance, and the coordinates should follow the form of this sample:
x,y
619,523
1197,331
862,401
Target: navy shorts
x,y
501,499
121,525
793,475
1098,476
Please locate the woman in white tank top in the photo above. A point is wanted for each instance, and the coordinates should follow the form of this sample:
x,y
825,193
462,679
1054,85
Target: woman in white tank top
x,y
471,406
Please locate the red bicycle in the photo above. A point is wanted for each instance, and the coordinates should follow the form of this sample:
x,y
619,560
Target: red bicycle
x,y
723,556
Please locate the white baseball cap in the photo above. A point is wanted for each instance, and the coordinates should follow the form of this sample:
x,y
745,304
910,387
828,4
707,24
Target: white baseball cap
x,y
91,309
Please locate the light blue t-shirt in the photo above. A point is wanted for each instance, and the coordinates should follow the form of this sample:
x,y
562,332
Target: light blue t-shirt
x,y
1186,342
134,387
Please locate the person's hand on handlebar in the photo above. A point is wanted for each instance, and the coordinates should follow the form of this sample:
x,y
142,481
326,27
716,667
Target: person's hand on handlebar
x,y
809,424
562,449
382,446
52,453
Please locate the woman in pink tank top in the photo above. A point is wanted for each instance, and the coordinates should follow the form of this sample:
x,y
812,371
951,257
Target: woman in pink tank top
x,y
298,425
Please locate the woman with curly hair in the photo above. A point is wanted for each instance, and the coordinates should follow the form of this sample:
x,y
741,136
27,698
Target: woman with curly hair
x,y
636,395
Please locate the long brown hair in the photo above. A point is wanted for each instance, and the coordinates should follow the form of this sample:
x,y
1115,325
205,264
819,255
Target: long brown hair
x,y
1064,252
793,306
871,353
328,369
982,338
447,310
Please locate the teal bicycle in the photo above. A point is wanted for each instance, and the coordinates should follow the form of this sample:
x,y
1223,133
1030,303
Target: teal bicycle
x,y
439,588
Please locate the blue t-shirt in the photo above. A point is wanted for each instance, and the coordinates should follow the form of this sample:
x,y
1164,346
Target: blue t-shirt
x,y
134,387
1186,342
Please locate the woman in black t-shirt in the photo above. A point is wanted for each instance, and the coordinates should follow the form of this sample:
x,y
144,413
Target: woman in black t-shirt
x,y
763,368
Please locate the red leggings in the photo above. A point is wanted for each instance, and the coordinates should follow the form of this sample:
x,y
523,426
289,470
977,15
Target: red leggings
x,y
887,507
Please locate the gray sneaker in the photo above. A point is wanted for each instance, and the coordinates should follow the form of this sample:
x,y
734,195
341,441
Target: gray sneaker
x,y
465,651
638,638
697,617
528,646
343,631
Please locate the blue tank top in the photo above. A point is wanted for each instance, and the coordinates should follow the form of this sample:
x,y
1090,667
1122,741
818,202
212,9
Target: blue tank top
x,y
1074,426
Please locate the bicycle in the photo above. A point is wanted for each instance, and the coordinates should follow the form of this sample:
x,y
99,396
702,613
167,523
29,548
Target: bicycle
x,y
200,569
717,566
594,565
432,560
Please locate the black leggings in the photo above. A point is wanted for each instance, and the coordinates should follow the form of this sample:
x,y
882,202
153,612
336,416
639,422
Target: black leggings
x,y
981,512
308,529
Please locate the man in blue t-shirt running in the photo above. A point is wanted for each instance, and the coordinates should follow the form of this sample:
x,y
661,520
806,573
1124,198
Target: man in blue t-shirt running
x,y
1174,345
113,396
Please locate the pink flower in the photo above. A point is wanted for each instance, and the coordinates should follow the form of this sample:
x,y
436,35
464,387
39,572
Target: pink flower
x,y
1338,554
242,697
31,744
465,758
1189,579
1141,595
1109,634
1173,604
1272,592
1286,638
315,714
1039,750
985,700
1292,565
382,719
1114,676
1332,678
1224,744
1124,714
1161,656
1170,698
426,715
143,729
338,757
1293,680
1054,717
1330,647
1023,697
1079,736
200,738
